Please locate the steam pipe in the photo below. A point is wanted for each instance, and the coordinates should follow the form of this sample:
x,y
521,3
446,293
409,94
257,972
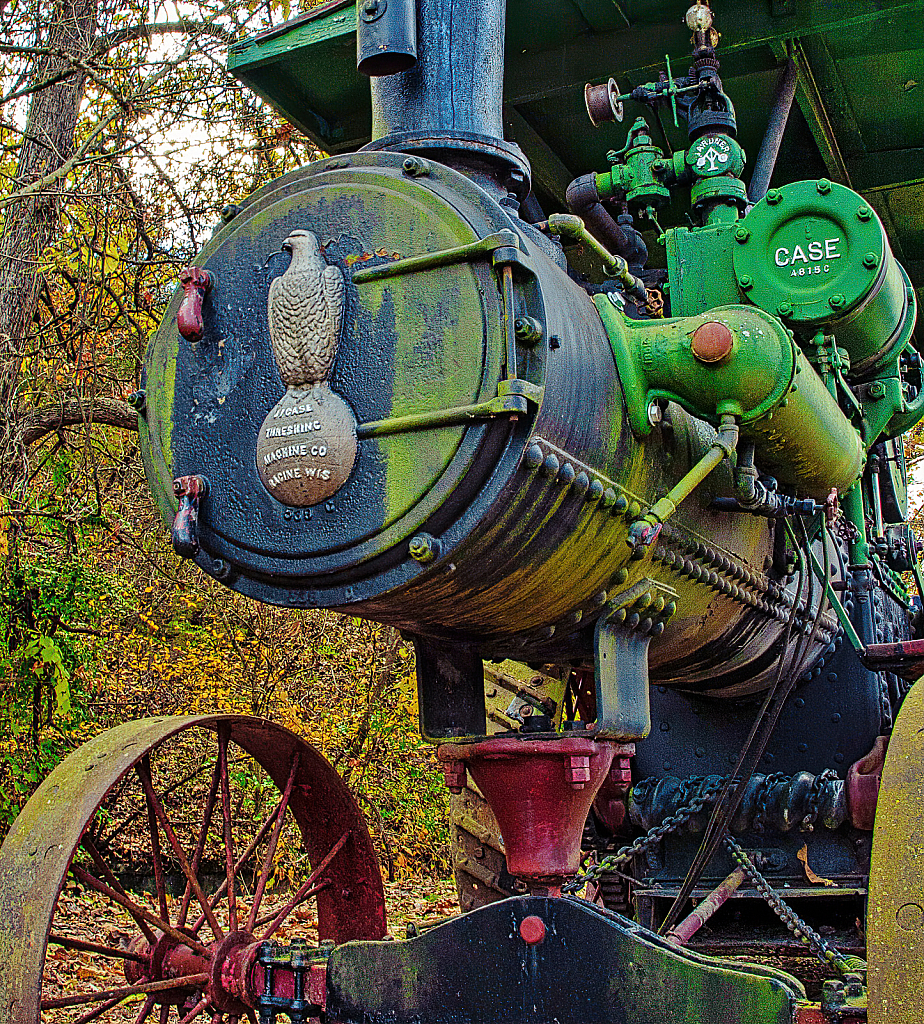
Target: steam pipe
x,y
773,137
583,200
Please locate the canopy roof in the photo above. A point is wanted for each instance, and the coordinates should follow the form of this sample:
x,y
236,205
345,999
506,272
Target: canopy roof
x,y
858,117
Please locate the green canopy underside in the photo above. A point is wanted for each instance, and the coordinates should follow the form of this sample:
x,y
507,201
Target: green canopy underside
x,y
858,118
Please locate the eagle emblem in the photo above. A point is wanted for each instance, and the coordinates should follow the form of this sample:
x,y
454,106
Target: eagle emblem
x,y
305,312
307,444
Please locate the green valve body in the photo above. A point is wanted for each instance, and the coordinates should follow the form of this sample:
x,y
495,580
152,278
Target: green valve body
x,y
800,433
815,254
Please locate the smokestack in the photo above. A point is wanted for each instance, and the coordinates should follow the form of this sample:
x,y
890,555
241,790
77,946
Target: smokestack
x,y
452,98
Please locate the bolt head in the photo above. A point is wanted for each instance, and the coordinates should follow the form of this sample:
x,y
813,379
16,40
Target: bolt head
x,y
746,281
837,301
742,234
532,930
784,308
823,186
864,213
870,260
774,196
423,548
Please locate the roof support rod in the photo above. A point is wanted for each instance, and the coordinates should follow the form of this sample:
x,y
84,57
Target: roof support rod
x,y
773,137
819,120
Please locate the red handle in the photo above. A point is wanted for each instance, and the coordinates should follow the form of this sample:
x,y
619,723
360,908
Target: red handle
x,y
196,284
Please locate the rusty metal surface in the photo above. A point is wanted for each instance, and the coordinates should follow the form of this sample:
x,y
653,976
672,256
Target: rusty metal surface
x,y
895,925
37,852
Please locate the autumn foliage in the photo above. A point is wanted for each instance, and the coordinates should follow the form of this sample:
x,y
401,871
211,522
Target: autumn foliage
x,y
99,621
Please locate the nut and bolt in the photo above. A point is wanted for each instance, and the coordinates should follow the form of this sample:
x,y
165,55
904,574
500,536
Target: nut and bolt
x,y
864,213
742,234
454,775
876,390
412,166
784,308
577,770
423,548
774,196
528,330
870,260
823,186
837,301
746,281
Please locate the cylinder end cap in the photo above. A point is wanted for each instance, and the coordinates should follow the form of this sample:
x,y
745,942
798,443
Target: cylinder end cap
x,y
712,342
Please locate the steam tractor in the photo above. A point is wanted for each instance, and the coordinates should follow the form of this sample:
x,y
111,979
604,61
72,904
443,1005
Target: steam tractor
x,y
615,439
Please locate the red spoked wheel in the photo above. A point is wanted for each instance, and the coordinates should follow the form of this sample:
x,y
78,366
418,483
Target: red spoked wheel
x,y
201,807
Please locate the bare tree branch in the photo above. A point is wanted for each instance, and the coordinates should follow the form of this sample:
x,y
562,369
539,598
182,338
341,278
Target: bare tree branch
x,y
46,419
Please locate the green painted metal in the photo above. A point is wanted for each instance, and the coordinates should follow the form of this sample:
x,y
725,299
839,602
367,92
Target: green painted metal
x,y
766,381
859,118
626,974
688,251
816,254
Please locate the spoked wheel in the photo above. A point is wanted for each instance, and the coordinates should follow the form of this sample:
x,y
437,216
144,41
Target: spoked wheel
x,y
199,808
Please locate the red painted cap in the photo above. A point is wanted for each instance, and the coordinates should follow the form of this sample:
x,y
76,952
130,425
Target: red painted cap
x,y
712,342
532,930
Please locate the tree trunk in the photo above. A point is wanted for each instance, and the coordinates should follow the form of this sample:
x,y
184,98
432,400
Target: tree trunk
x,y
31,224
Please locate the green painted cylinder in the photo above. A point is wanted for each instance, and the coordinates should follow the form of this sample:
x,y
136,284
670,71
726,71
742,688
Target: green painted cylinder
x,y
801,435
816,255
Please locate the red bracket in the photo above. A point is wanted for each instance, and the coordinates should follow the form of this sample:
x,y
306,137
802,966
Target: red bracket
x,y
197,283
189,490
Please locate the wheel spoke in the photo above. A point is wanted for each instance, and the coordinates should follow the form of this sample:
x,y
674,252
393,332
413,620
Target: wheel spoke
x,y
137,911
100,1010
145,1010
143,769
227,832
207,810
303,890
116,885
271,849
241,861
297,900
165,985
196,1010
135,815
94,947
180,855
164,1013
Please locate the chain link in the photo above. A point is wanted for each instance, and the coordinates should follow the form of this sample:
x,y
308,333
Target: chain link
x,y
799,928
814,799
646,842
802,931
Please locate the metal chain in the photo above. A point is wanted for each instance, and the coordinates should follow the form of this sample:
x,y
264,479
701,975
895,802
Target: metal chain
x,y
644,843
802,931
814,799
763,798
